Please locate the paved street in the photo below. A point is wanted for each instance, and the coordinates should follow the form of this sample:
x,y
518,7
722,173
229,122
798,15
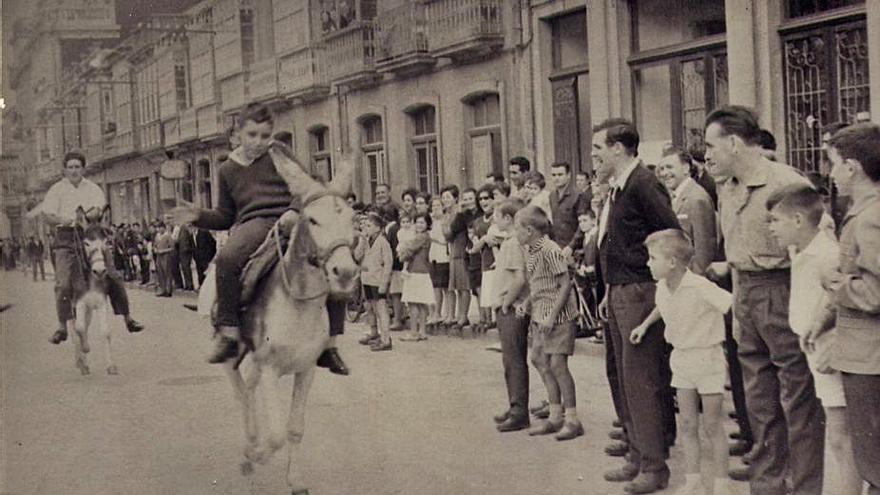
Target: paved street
x,y
416,420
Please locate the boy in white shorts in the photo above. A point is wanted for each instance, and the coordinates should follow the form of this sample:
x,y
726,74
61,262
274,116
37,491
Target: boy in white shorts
x,y
796,213
693,309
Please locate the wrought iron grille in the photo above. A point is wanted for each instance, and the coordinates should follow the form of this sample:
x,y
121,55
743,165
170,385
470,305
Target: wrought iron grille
x,y
826,80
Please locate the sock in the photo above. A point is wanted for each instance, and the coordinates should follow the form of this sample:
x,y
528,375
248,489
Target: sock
x,y
571,415
555,413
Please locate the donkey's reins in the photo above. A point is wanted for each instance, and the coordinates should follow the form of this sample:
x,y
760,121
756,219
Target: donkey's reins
x,y
323,255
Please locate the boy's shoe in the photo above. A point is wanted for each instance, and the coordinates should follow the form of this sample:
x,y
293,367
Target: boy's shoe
x,y
59,336
617,435
381,346
224,348
616,449
648,482
627,472
500,418
541,411
739,448
331,360
545,427
570,430
514,423
133,325
368,339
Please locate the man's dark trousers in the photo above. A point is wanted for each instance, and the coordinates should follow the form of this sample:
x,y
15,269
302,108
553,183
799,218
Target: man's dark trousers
x,y
640,371
611,371
513,332
783,409
862,396
37,263
185,259
175,273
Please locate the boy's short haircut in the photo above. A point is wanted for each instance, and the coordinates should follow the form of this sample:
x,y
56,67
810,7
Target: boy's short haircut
x,y
587,213
521,162
798,198
510,206
534,217
565,165
74,155
426,216
674,243
536,178
860,142
504,187
257,112
375,219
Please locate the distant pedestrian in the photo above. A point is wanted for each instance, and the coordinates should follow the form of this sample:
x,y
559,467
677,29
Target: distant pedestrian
x,y
163,246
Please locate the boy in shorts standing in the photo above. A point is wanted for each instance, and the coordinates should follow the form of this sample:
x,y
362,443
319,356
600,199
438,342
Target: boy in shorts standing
x,y
553,315
795,215
693,309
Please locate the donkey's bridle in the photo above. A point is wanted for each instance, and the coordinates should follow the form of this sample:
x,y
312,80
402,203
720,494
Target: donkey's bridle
x,y
325,253
319,259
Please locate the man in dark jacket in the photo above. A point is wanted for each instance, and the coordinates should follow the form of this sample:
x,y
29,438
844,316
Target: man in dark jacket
x,y
566,203
205,249
184,245
638,206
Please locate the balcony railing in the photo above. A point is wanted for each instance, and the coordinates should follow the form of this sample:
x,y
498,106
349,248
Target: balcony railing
x,y
401,39
351,53
462,28
302,74
263,81
401,30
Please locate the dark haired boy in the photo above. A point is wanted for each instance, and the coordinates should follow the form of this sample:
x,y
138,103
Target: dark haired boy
x,y
855,155
252,197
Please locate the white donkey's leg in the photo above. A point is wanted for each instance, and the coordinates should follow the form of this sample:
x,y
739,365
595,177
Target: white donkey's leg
x,y
83,320
244,392
104,331
76,328
296,424
270,402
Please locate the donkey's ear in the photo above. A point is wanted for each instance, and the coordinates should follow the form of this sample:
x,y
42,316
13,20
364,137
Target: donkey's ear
x,y
81,216
105,216
341,183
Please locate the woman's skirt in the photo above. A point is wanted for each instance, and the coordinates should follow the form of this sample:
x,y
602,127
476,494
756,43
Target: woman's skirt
x,y
417,289
459,278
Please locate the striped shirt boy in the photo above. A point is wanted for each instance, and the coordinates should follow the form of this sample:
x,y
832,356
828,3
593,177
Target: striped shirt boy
x,y
547,271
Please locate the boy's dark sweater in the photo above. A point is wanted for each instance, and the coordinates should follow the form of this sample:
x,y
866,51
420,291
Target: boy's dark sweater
x,y
246,193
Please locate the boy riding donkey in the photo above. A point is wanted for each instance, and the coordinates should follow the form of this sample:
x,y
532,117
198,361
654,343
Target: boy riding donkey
x,y
253,196
59,210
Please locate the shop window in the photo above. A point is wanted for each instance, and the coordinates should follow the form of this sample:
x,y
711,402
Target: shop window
x,y
661,23
320,149
424,149
373,148
800,8
204,177
826,81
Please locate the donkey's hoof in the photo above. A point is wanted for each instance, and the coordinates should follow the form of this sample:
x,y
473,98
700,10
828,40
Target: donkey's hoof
x,y
112,370
247,468
84,343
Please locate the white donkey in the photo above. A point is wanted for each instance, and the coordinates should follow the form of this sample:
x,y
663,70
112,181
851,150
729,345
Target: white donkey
x,y
92,302
286,316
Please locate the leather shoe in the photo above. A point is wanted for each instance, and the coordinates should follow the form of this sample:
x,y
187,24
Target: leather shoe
x,y
739,448
570,430
368,339
500,418
545,427
380,346
133,326
626,473
747,458
736,435
540,407
514,423
648,482
224,348
739,473
617,449
617,424
542,411
617,435
331,360
58,337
